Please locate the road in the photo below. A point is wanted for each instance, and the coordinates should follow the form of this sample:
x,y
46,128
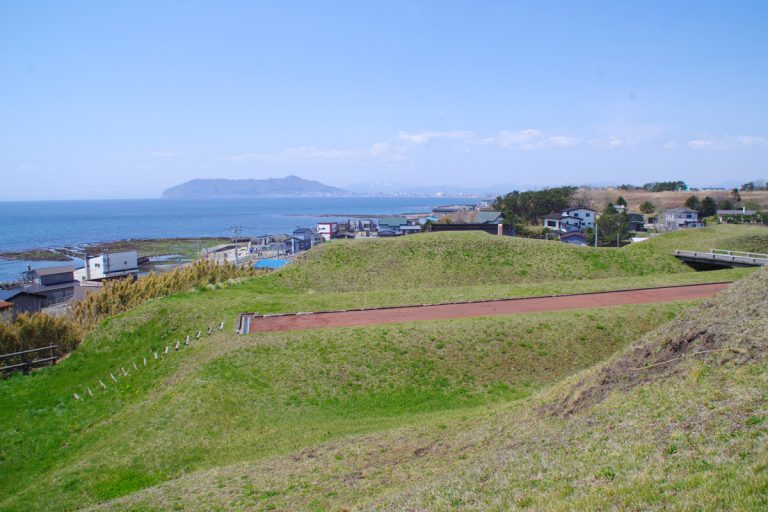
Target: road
x,y
475,309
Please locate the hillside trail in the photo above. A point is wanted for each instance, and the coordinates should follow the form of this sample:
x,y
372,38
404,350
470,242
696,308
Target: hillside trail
x,y
356,318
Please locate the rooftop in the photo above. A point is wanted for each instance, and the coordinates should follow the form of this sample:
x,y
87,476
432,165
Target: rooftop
x,y
681,210
736,212
54,270
6,295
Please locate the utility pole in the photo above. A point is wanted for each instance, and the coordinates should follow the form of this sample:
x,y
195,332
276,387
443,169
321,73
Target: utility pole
x,y
595,233
236,232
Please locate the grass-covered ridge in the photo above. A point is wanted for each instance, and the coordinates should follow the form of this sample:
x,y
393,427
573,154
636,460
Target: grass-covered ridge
x,y
231,399
692,436
437,260
402,416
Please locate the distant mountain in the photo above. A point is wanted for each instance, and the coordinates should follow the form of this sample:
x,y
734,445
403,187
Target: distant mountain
x,y
223,188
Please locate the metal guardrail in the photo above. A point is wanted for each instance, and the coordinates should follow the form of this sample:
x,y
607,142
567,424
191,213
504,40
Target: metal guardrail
x,y
718,255
26,364
740,254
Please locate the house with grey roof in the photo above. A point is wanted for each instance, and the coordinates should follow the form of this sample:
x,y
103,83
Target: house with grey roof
x,y
680,218
736,216
488,217
22,301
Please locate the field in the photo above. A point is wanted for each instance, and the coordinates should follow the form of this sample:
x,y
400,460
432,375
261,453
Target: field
x,y
483,413
599,198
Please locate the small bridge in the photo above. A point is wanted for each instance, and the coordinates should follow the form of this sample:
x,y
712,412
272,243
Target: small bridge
x,y
717,258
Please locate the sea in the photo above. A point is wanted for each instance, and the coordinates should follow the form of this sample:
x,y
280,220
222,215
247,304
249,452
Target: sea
x,y
29,225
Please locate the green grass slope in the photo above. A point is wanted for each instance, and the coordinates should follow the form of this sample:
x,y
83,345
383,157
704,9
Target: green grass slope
x,y
460,259
731,237
230,399
437,260
321,419
646,430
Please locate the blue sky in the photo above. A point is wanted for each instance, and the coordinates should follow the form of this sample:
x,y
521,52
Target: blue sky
x,y
123,99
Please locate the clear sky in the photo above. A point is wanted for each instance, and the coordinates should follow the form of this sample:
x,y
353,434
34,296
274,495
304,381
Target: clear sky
x,y
123,99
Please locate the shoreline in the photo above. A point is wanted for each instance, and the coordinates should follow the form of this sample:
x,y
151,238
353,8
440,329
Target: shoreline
x,y
360,215
145,247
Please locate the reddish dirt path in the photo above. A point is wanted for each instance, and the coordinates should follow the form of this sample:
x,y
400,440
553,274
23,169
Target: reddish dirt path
x,y
491,308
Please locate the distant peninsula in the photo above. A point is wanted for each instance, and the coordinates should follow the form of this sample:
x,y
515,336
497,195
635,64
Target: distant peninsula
x,y
290,186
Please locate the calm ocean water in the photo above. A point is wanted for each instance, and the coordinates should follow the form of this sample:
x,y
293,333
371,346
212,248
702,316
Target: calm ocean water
x,y
40,224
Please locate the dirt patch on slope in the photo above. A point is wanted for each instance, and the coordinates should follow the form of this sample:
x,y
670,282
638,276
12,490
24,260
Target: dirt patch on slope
x,y
730,327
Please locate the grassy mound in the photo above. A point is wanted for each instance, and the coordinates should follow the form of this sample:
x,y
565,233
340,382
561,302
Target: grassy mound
x,y
729,237
437,260
231,399
690,437
462,259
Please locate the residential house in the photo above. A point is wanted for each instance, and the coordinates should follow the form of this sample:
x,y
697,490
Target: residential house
x,y
109,266
392,224
585,215
559,222
736,216
678,218
305,239
428,218
6,311
410,230
23,301
488,217
571,219
636,221
327,230
56,284
575,238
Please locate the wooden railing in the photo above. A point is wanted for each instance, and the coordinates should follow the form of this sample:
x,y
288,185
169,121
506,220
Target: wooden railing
x,y
25,361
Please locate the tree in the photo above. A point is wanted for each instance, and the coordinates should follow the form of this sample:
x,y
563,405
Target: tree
x,y
748,187
708,207
610,209
612,228
621,201
735,195
663,186
725,204
647,208
693,203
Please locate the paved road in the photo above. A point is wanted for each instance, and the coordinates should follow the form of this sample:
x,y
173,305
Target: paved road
x,y
491,308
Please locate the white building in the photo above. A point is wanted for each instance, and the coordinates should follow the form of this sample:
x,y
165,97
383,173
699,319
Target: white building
x,y
570,219
109,266
327,230
585,215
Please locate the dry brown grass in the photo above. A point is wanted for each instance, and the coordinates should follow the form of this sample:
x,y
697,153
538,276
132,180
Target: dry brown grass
x,y
599,198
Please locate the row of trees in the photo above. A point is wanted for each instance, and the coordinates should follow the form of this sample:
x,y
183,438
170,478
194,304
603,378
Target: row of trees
x,y
755,185
658,186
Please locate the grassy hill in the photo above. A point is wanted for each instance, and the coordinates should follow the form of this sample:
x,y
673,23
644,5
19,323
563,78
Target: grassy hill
x,y
422,415
436,260
230,399
459,259
687,433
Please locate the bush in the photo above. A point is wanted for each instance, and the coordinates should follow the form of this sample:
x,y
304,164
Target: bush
x,y
9,339
121,295
40,330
